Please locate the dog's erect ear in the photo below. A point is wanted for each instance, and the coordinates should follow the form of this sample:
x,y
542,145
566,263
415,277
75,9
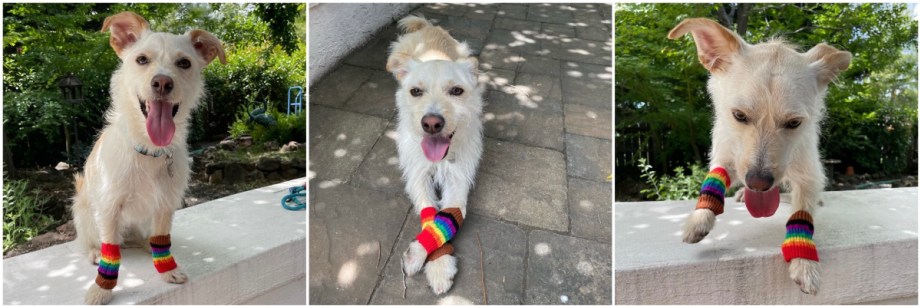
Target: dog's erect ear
x,y
207,46
126,28
398,65
715,44
828,62
470,63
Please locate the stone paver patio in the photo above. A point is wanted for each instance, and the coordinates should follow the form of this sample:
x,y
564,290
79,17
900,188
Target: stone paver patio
x,y
542,203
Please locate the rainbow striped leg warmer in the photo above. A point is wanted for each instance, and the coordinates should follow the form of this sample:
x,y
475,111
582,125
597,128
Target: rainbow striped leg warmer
x,y
798,242
108,266
162,259
713,190
438,227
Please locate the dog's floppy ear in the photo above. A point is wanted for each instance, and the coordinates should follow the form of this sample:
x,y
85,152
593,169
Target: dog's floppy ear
x,y
207,46
828,62
126,28
715,44
398,65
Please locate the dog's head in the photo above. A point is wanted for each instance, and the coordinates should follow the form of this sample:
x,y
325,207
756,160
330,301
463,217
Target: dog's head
x,y
768,99
436,97
159,81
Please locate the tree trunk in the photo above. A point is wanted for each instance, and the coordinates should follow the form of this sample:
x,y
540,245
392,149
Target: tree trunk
x,y
742,18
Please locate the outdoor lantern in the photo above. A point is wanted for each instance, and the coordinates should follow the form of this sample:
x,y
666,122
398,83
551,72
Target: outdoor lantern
x,y
71,89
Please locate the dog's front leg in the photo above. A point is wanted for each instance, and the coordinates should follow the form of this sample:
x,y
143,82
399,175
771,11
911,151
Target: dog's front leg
x,y
709,204
442,264
110,255
421,190
160,248
798,248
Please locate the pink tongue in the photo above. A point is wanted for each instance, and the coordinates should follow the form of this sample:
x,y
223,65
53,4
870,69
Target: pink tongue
x,y
762,204
435,147
160,125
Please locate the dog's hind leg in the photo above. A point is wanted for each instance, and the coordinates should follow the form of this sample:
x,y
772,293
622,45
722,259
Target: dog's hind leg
x,y
160,248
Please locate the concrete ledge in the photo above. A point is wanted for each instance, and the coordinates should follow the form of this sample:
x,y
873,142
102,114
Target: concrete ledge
x,y
236,249
867,240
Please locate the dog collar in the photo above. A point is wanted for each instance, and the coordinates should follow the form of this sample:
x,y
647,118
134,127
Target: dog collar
x,y
160,152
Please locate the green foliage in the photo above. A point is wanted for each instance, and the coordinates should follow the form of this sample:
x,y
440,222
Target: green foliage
x,y
22,213
664,112
44,42
680,186
286,127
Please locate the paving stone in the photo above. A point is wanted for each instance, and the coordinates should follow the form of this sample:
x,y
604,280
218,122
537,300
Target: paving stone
x,y
469,27
345,258
553,13
521,184
558,30
376,97
494,57
448,9
337,87
567,270
504,248
380,169
481,11
522,42
518,118
590,209
596,33
513,11
579,50
587,84
540,65
339,140
587,120
374,54
497,79
503,23
588,158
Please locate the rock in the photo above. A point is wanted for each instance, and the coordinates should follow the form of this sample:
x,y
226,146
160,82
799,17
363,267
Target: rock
x,y
233,173
268,164
213,166
228,144
217,177
292,173
299,163
290,147
273,176
62,166
245,141
270,145
255,175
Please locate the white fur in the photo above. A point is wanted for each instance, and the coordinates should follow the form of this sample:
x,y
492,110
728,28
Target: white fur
x,y
772,85
121,193
426,57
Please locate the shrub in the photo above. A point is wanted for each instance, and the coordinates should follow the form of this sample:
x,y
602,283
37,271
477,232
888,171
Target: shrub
x,y
22,214
681,186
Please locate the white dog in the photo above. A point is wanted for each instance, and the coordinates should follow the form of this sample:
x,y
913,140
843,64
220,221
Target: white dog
x,y
769,103
440,132
137,173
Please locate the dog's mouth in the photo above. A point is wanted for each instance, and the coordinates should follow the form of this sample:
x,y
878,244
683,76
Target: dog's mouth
x,y
160,125
436,146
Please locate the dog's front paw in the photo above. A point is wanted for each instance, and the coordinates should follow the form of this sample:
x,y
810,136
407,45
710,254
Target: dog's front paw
x,y
414,258
93,256
174,276
698,225
440,273
805,273
97,296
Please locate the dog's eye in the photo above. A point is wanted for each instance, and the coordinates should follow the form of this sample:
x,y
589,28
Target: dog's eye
x,y
184,64
792,124
456,91
142,60
415,92
740,117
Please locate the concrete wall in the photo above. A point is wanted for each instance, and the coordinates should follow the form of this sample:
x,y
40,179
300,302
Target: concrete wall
x,y
337,29
867,242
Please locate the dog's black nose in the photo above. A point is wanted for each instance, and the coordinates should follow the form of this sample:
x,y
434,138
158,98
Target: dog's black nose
x,y
432,123
759,180
162,85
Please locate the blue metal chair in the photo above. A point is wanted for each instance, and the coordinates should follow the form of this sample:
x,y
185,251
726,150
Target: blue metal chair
x,y
298,102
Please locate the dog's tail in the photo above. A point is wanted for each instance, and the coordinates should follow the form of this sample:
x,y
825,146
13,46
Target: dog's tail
x,y
413,23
